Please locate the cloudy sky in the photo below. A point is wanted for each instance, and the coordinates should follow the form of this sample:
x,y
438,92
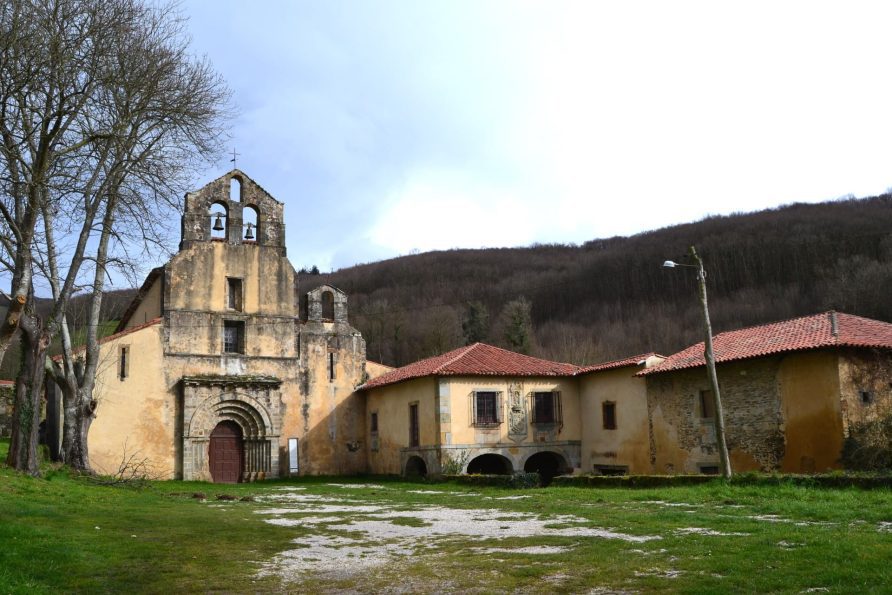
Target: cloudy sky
x,y
393,126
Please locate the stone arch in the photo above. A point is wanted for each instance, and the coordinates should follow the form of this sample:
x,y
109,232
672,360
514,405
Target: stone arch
x,y
235,189
251,222
415,467
218,211
243,409
490,464
328,308
547,464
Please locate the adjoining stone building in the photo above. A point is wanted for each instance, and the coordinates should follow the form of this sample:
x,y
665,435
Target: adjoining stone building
x,y
214,373
481,409
613,410
790,390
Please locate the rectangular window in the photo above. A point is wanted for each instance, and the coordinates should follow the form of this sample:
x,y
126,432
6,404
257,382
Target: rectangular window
x,y
373,424
709,469
234,294
546,407
331,367
124,362
486,409
233,336
866,397
608,415
707,404
414,439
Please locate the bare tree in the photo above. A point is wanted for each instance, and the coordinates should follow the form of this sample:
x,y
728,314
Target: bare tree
x,y
146,111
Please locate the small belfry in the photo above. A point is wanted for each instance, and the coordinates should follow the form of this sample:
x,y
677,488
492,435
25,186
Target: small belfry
x,y
238,210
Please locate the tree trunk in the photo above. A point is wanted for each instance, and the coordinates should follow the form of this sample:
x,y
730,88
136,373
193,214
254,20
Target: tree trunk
x,y
23,448
77,455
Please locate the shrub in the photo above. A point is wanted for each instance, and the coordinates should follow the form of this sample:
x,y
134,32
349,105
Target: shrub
x,y
868,446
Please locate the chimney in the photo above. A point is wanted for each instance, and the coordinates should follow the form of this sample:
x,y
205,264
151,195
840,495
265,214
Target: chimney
x,y
834,325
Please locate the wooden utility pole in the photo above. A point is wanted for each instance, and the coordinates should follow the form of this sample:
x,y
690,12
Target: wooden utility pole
x,y
710,367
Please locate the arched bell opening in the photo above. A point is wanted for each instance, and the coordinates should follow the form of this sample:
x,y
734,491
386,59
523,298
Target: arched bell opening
x,y
218,220
235,189
328,309
251,223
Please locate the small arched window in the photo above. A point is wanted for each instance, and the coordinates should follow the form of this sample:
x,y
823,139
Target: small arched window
x,y
235,190
250,219
218,220
327,305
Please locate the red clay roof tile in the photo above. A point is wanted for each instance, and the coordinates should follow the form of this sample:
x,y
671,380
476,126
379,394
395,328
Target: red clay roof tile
x,y
478,359
619,363
798,334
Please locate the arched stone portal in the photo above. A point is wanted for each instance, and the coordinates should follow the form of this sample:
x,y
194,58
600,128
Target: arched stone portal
x,y
490,464
547,464
247,406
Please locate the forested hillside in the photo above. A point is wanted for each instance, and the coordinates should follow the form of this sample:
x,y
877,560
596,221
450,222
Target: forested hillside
x,y
611,298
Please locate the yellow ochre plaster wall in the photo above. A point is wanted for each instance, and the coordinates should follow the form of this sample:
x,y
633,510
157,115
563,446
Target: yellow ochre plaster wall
x,y
810,395
137,415
460,394
391,403
149,307
627,445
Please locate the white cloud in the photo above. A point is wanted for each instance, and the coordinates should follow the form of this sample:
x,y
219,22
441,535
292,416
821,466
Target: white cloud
x,y
442,210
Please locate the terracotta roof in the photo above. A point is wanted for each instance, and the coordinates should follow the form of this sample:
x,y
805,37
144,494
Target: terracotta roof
x,y
7,382
635,360
478,359
828,329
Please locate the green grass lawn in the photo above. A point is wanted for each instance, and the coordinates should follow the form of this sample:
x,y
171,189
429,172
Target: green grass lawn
x,y
62,533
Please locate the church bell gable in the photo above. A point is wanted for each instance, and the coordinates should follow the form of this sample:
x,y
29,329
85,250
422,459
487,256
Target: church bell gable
x,y
233,209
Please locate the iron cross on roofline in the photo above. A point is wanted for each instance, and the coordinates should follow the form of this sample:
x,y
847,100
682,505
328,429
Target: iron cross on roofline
x,y
234,156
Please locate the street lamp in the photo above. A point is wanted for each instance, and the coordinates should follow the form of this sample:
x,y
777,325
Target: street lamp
x,y
710,361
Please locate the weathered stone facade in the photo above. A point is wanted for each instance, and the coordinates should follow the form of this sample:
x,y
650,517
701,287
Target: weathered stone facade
x,y
220,329
787,412
682,440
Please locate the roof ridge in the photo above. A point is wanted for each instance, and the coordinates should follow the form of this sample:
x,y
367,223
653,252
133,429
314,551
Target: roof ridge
x,y
782,321
638,356
466,350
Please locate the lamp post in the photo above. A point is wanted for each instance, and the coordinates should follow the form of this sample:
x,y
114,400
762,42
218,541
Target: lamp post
x,y
710,361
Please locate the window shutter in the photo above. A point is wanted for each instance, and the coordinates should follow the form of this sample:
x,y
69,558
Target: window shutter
x,y
499,415
473,404
558,411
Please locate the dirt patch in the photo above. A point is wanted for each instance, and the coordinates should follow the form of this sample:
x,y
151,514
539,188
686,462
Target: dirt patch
x,y
357,536
532,549
707,532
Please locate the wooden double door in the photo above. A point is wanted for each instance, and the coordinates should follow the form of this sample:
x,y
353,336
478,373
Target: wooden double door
x,y
226,452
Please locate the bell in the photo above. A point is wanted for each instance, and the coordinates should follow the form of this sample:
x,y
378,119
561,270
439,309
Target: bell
x,y
218,224
249,235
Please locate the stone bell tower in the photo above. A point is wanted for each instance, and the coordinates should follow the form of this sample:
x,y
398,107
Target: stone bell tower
x,y
231,202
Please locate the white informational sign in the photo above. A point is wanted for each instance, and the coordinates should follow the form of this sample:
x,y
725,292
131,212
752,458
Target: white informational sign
x,y
292,455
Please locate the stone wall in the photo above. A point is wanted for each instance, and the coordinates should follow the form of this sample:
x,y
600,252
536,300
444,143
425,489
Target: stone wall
x,y
682,441
865,386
